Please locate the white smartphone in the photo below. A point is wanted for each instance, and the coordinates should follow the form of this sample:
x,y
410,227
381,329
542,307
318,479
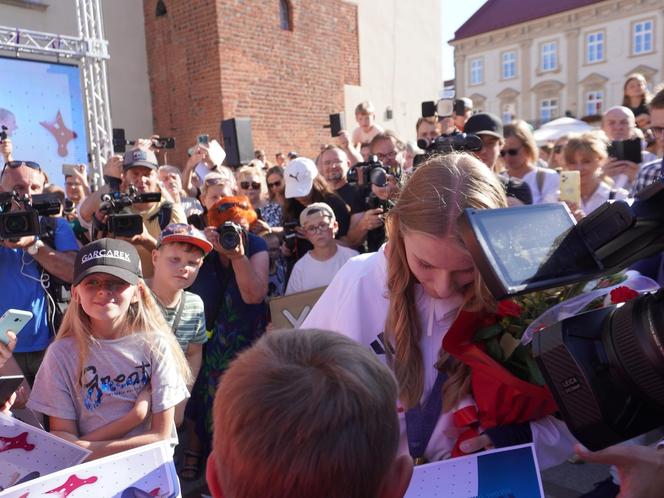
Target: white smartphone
x,y
13,320
68,169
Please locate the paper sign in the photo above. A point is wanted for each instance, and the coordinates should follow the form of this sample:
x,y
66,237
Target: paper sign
x,y
27,452
503,473
289,312
143,472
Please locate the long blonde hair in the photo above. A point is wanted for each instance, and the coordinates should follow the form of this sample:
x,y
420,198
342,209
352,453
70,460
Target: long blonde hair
x,y
431,203
142,317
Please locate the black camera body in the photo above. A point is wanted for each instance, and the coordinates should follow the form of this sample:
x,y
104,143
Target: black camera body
x,y
230,235
445,144
371,172
603,370
120,221
17,224
3,133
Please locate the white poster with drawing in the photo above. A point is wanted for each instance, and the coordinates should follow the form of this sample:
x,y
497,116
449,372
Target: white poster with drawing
x,y
27,452
145,472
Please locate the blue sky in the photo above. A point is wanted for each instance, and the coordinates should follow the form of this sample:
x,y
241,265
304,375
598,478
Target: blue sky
x,y
454,14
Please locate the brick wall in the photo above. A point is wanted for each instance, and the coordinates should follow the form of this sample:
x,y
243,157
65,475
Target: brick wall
x,y
211,60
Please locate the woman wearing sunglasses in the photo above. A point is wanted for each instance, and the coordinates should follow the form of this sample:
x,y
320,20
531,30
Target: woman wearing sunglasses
x,y
272,212
520,155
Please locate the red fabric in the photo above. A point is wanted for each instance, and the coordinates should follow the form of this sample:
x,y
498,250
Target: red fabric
x,y
465,417
501,397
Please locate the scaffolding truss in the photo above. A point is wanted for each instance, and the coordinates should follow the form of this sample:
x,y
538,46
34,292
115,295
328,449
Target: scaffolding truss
x,y
90,50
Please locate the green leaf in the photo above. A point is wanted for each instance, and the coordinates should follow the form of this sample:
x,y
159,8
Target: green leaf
x,y
535,374
494,350
487,332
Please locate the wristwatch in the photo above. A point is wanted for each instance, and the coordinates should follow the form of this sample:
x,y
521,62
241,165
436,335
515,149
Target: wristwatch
x,y
34,247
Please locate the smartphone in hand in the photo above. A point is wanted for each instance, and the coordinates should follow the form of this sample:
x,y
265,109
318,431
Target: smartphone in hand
x,y
570,187
13,320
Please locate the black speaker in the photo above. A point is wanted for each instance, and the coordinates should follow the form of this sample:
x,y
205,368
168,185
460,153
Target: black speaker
x,y
337,123
238,143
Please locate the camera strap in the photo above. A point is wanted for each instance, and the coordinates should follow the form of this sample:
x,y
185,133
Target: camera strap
x,y
422,419
178,313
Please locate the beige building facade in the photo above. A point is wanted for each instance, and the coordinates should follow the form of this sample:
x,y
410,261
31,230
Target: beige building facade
x,y
572,62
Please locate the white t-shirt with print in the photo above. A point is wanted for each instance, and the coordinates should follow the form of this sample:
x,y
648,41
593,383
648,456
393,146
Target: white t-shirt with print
x,y
310,273
550,185
355,305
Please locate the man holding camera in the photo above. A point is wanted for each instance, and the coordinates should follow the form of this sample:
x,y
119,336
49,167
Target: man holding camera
x,y
29,263
136,173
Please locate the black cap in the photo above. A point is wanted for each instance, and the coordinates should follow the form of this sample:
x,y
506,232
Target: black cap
x,y
484,123
115,257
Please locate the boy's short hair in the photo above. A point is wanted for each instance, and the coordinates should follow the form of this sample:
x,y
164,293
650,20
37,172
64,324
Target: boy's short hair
x,y
331,404
365,108
315,208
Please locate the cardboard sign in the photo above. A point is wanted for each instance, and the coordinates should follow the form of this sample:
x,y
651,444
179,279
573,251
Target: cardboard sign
x,y
501,473
143,472
289,312
27,452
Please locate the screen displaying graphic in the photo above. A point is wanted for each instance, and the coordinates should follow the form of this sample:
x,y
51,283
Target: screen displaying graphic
x,y
41,104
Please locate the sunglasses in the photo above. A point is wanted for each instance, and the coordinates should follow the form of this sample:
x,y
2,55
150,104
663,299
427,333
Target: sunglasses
x,y
225,206
215,181
18,164
253,185
511,152
276,184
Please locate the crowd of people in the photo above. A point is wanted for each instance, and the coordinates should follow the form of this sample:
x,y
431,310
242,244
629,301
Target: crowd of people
x,y
136,333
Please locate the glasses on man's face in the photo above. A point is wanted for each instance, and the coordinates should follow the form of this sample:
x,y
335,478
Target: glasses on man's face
x,y
314,229
511,152
247,185
18,164
386,156
111,285
276,184
209,182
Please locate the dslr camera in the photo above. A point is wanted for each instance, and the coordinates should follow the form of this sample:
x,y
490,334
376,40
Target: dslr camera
x,y
371,172
230,235
605,367
24,222
120,221
445,144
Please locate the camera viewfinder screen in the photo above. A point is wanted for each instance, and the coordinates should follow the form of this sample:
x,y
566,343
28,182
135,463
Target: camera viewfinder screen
x,y
521,240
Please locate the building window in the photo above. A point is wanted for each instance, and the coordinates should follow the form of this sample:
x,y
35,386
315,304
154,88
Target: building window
x,y
476,71
642,37
549,56
509,65
595,47
594,103
548,110
285,15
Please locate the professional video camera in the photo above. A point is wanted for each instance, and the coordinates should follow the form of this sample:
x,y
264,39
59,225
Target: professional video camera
x,y
605,368
371,172
17,224
444,144
120,221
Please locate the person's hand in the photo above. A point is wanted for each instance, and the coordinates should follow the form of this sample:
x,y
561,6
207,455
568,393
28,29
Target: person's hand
x,y
640,468
389,191
147,143
577,212
113,166
7,406
212,235
477,443
82,175
6,350
200,155
372,218
22,243
343,139
142,239
260,228
615,168
6,149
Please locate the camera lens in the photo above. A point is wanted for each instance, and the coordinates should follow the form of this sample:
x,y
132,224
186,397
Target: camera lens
x,y
229,240
16,224
378,177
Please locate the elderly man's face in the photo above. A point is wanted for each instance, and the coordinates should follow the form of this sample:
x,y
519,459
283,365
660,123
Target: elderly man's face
x,y
23,180
618,125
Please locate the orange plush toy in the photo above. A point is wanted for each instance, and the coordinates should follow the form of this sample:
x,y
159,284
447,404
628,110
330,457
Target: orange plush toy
x,y
236,209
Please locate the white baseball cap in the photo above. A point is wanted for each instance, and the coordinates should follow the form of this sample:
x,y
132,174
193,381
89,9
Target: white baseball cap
x,y
299,175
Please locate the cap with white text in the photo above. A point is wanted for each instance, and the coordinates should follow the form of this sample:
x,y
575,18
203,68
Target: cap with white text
x,y
111,256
